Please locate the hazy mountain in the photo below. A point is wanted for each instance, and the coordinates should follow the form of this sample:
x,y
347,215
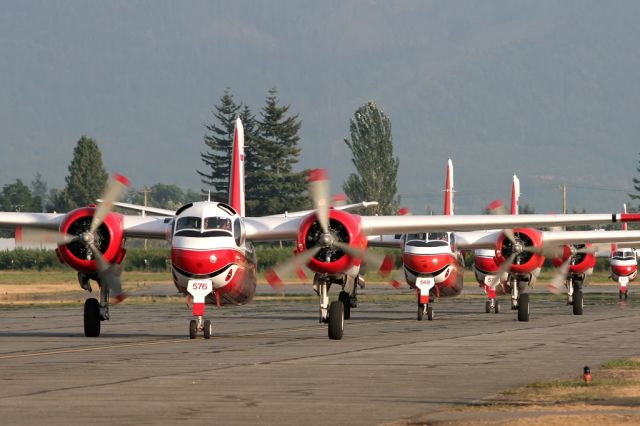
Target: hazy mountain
x,y
547,90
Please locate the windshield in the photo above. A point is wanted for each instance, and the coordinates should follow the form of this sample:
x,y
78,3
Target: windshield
x,y
421,236
222,223
189,222
438,236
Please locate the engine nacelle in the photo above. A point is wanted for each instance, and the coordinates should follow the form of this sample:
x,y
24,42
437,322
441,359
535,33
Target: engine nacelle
x,y
344,227
109,239
525,261
580,263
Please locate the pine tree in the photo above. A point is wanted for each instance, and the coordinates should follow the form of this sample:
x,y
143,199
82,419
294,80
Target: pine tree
x,y
219,142
274,186
86,179
371,145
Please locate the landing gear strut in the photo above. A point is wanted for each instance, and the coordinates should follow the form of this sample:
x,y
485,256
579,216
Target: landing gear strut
x,y
332,314
199,289
94,311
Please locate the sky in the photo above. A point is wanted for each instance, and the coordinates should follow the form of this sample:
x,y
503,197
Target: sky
x,y
547,90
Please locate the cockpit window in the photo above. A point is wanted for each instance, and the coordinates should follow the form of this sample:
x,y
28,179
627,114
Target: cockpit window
x,y
420,236
221,223
188,222
438,236
624,255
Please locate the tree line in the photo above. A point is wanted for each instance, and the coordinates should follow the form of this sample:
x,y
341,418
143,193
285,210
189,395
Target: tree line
x,y
272,183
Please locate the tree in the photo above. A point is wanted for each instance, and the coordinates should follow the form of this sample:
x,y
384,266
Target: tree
x,y
17,197
219,142
526,209
371,145
86,179
39,190
272,186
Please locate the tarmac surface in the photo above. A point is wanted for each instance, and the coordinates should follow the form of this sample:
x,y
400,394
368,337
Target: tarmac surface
x,y
272,362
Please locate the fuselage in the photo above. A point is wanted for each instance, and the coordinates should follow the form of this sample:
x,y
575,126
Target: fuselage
x,y
431,255
624,265
207,243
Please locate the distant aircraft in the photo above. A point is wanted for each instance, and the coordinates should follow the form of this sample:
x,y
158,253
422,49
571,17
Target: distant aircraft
x,y
507,260
623,262
213,259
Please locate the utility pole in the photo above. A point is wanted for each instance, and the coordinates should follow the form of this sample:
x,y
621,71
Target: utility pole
x,y
145,191
563,188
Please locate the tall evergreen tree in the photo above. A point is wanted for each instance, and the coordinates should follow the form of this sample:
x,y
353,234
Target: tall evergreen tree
x,y
273,185
219,142
86,179
371,145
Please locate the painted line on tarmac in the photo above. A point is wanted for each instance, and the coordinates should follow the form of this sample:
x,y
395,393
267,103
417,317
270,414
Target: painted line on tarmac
x,y
93,348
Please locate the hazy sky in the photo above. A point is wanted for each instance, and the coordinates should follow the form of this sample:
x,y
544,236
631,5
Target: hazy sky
x,y
547,90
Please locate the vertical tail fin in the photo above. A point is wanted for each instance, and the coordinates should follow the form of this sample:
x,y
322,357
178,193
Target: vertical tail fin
x,y
236,180
448,190
515,195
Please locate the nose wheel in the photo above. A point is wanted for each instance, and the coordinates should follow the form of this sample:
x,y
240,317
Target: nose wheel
x,y
492,305
196,325
425,310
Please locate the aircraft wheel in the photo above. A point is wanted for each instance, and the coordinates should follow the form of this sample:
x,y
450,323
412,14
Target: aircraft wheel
x,y
487,306
336,320
496,308
193,329
620,295
208,329
523,307
92,317
430,313
346,301
578,303
421,309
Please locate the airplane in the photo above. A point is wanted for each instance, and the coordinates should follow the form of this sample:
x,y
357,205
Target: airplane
x,y
623,264
213,259
434,266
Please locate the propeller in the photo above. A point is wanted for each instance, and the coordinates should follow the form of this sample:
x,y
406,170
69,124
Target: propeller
x,y
319,190
108,274
555,285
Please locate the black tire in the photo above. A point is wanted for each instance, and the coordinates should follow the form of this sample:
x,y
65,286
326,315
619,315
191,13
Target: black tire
x,y
430,313
91,317
523,307
487,306
620,295
578,303
421,311
336,320
497,307
626,294
208,329
193,329
346,301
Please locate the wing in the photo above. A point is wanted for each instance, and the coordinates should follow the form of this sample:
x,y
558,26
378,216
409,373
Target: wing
x,y
346,208
134,226
138,208
379,225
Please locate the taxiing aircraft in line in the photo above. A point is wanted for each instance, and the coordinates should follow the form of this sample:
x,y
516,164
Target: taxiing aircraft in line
x,y
213,259
507,261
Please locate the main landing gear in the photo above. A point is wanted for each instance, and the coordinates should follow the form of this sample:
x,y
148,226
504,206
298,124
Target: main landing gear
x,y
335,313
95,311
519,301
574,294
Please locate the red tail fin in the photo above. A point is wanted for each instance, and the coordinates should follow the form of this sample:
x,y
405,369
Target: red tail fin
x,y
236,180
448,190
515,195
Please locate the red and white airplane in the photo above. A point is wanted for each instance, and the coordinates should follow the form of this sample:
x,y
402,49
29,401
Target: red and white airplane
x,y
434,266
211,243
623,262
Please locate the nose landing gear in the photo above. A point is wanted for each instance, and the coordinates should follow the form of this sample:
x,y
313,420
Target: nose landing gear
x,y
199,289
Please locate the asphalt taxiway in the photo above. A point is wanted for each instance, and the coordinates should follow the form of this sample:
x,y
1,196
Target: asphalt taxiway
x,y
272,363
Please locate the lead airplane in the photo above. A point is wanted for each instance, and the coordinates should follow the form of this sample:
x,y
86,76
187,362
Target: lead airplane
x,y
213,259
